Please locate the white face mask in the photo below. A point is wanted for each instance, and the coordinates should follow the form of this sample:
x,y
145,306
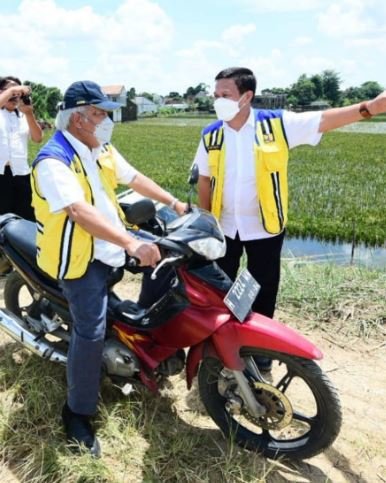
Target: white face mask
x,y
226,109
104,131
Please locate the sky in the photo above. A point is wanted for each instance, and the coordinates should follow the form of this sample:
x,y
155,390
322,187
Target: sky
x,y
159,46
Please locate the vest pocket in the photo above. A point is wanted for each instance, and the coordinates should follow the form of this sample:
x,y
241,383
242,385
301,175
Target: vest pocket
x,y
272,158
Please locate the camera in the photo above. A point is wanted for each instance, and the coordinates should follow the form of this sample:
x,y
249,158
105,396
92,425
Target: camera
x,y
26,99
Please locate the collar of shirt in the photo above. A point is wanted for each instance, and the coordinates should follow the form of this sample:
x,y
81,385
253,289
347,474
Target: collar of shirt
x,y
83,151
249,122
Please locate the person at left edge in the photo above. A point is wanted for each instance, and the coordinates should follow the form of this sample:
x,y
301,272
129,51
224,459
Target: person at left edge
x,y
81,236
17,126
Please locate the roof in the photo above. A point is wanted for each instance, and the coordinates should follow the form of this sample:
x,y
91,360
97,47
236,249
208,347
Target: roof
x,y
113,90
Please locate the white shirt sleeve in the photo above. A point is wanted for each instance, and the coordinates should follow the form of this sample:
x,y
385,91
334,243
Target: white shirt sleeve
x,y
125,172
58,184
201,159
302,128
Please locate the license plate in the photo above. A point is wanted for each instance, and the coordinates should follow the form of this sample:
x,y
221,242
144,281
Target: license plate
x,y
241,295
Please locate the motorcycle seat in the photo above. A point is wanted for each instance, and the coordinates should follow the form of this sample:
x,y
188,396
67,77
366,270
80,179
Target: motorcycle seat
x,y
21,235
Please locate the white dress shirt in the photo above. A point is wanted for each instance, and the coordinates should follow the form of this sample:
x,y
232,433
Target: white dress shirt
x,y
59,185
14,135
240,208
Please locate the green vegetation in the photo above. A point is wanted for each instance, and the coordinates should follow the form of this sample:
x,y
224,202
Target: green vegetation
x,y
337,189
161,150
45,100
349,300
325,87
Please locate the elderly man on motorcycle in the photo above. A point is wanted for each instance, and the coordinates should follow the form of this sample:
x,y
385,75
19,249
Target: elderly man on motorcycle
x,y
81,236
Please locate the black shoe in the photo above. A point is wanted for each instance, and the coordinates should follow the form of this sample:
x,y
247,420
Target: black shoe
x,y
79,431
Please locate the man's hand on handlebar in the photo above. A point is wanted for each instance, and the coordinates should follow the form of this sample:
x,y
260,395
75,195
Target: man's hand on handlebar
x,y
181,208
146,253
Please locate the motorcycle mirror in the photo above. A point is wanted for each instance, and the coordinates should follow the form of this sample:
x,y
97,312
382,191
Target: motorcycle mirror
x,y
139,212
194,173
192,180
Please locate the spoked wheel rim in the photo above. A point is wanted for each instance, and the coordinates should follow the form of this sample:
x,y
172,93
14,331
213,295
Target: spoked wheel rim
x,y
302,407
293,409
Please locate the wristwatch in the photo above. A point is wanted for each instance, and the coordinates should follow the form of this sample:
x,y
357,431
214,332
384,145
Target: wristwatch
x,y
364,112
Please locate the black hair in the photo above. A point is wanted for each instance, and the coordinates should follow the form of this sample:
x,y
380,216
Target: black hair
x,y
244,78
6,80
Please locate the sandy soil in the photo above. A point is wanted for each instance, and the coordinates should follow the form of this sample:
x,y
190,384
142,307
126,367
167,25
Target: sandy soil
x,y
358,369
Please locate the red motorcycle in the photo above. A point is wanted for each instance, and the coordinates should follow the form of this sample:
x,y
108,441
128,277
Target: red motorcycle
x,y
200,322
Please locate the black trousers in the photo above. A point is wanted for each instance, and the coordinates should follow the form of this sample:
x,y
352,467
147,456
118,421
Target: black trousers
x,y
263,262
16,195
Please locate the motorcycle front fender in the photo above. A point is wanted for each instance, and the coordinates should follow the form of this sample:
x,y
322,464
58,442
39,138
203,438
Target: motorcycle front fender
x,y
256,331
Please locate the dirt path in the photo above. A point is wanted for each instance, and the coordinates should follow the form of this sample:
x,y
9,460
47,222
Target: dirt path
x,y
358,369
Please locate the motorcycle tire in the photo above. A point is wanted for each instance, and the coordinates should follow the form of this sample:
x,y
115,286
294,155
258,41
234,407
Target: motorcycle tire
x,y
294,428
18,296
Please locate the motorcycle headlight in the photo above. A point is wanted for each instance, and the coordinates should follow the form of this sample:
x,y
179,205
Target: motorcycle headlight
x,y
210,248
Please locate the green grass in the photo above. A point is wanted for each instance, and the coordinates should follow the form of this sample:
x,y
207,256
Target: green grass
x,y
379,118
335,298
144,437
337,189
162,151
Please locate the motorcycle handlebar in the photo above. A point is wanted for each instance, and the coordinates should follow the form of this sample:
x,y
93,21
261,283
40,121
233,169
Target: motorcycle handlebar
x,y
133,262
171,251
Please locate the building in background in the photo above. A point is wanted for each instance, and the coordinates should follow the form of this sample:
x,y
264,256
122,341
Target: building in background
x,y
145,105
118,93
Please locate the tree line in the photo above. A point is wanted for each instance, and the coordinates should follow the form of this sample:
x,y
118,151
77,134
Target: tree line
x,y
45,100
325,86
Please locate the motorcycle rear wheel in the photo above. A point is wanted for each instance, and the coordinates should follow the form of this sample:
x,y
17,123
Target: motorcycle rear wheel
x,y
303,409
18,296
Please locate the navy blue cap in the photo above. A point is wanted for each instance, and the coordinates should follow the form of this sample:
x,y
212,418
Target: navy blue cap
x,y
86,93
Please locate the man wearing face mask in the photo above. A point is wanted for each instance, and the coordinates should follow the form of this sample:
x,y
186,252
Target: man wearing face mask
x,y
242,160
81,236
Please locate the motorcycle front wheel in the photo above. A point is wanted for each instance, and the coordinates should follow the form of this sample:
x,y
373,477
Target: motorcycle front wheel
x,y
302,408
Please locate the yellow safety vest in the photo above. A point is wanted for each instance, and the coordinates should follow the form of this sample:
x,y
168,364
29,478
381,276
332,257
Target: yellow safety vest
x,y
271,158
64,248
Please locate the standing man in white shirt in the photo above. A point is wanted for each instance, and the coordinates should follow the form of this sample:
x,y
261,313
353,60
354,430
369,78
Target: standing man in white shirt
x,y
81,236
17,126
242,161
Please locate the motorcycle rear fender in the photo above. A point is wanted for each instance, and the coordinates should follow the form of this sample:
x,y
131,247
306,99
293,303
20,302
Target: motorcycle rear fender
x,y
256,331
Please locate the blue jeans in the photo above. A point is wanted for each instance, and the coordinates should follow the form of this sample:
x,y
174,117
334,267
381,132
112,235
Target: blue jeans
x,y
87,299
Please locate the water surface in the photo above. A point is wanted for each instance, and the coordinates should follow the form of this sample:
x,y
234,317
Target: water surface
x,y
311,250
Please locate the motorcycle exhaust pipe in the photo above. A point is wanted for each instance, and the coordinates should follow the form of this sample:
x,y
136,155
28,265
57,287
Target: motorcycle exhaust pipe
x,y
12,326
